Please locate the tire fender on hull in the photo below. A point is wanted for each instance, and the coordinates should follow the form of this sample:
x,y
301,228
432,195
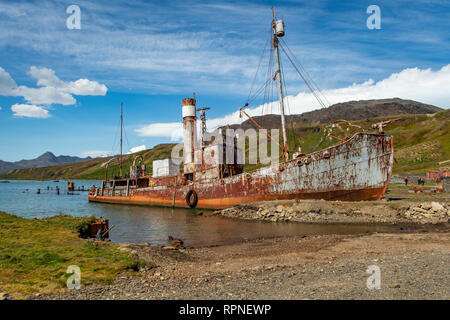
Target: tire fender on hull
x,y
193,203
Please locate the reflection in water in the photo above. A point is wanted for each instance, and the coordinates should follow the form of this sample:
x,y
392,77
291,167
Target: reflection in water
x,y
141,224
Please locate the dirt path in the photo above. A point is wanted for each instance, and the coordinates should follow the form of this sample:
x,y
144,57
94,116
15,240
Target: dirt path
x,y
413,266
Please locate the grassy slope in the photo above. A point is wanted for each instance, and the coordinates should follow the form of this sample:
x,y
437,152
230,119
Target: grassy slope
x,y
420,142
35,254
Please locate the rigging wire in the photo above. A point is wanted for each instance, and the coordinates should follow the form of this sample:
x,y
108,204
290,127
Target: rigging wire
x,y
304,79
259,91
272,84
114,140
126,137
312,85
283,85
269,75
305,72
268,86
262,88
268,81
283,82
257,69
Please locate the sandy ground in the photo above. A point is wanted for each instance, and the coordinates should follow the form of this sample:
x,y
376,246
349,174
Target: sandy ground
x,y
412,265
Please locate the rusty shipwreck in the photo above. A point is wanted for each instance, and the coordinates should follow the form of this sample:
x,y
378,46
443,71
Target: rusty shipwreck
x,y
356,169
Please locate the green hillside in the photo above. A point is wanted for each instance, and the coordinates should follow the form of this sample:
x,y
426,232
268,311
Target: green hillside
x,y
89,169
421,144
421,141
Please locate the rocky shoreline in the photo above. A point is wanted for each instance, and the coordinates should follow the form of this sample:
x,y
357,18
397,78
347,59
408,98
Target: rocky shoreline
x,y
320,211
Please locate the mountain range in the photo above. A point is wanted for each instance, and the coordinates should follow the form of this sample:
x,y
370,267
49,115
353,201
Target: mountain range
x,y
45,160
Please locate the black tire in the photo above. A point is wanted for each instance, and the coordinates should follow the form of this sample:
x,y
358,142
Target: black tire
x,y
192,204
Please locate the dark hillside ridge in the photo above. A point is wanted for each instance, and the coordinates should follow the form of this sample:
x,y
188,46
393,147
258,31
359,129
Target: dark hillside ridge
x,y
44,160
352,110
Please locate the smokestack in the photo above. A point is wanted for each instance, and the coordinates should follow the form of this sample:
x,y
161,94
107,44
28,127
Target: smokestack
x,y
190,133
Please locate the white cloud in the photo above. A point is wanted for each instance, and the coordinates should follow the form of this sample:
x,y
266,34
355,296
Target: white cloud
x,y
174,130
426,86
137,149
85,87
45,95
45,77
55,91
29,111
82,87
96,153
7,84
51,89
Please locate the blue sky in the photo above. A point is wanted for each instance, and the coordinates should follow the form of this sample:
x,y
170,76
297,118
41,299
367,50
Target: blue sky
x,y
60,89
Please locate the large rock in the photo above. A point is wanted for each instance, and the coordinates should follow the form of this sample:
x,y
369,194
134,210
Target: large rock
x,y
418,209
425,205
436,206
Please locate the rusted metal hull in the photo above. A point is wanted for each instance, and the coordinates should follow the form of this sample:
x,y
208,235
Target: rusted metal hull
x,y
356,170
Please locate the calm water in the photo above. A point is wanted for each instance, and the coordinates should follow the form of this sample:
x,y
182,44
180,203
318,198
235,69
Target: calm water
x,y
139,224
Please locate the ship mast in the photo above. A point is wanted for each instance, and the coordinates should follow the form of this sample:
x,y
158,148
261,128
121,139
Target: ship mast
x,y
121,128
278,30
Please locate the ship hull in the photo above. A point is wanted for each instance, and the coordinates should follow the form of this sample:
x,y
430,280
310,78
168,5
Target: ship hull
x,y
356,170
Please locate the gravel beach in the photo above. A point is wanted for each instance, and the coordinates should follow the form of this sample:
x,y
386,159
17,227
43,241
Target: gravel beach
x,y
413,258
412,265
